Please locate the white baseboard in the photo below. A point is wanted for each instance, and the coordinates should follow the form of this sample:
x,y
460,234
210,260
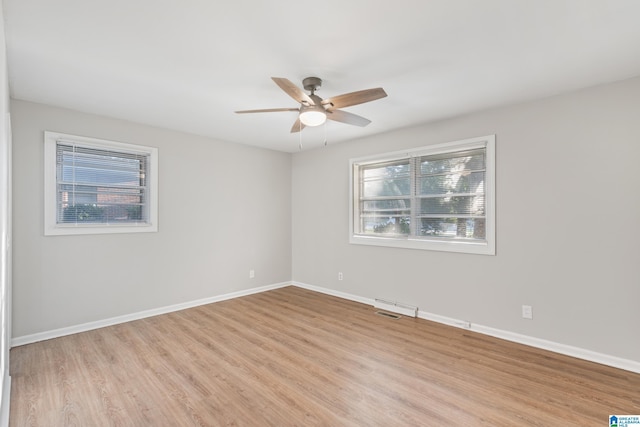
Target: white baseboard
x,y
567,350
55,333
351,297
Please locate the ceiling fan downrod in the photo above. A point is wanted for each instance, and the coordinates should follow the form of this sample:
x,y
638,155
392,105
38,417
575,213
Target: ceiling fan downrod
x,y
312,84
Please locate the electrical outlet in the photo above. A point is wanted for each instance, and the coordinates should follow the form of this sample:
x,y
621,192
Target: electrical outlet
x,y
527,312
252,274
340,276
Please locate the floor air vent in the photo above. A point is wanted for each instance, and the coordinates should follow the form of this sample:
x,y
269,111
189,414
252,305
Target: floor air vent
x,y
396,307
389,315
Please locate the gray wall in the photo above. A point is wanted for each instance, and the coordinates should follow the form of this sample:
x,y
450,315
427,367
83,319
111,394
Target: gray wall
x,y
568,230
223,209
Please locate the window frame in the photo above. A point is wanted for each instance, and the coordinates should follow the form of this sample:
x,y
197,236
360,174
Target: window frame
x,y
483,247
53,228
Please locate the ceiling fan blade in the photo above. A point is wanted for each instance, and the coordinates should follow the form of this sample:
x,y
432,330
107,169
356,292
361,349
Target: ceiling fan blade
x,y
348,118
297,126
354,98
268,110
292,90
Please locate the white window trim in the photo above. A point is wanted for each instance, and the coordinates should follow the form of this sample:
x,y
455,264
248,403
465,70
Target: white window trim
x,y
484,247
51,228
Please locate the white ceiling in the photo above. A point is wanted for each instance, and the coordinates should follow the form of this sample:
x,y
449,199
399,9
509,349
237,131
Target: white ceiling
x,y
188,65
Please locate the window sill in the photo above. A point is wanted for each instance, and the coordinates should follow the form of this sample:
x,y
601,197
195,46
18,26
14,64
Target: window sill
x,y
79,229
469,247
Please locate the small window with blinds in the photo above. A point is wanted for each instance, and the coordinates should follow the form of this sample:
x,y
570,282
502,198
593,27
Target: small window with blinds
x,y
438,197
95,186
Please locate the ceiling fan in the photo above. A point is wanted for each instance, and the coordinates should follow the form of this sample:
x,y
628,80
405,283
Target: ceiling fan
x,y
315,110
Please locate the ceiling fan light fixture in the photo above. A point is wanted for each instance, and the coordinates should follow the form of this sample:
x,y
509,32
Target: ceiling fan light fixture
x,y
313,116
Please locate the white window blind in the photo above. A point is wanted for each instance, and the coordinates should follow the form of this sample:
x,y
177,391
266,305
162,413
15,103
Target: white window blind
x,y
436,197
385,200
449,195
100,186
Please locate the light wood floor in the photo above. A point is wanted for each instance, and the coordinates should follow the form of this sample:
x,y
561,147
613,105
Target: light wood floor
x,y
291,357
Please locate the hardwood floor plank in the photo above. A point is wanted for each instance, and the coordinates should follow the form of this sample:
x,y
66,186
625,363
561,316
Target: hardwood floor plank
x,y
292,357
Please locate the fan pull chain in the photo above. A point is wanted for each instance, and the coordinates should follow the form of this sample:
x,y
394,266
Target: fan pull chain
x,y
300,136
325,133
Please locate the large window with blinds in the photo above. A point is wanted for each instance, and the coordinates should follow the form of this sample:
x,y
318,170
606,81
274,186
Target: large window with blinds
x,y
95,186
439,197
